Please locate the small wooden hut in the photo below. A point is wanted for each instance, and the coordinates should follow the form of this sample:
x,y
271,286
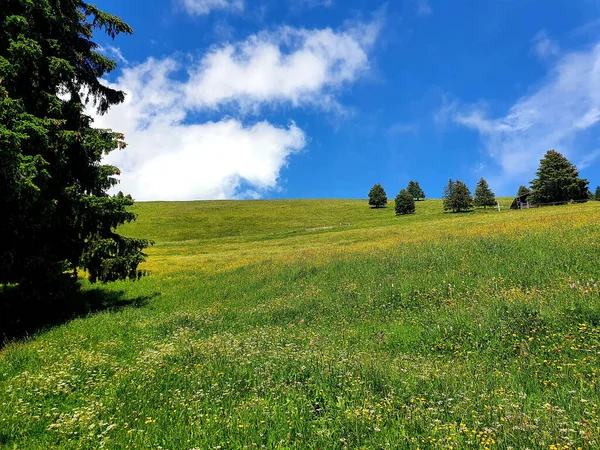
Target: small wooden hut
x,y
521,202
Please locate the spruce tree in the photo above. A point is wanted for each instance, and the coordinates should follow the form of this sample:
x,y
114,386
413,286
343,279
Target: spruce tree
x,y
461,197
557,180
420,193
405,203
447,195
598,193
457,197
523,190
57,217
377,196
415,190
412,189
484,195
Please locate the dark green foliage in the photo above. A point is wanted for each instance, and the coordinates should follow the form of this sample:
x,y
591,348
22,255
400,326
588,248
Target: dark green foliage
x,y
557,180
597,195
523,190
405,203
377,196
56,214
415,190
447,195
484,195
461,197
457,197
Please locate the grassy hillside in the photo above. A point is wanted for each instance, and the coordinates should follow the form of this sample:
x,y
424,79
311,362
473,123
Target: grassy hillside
x,y
325,324
221,235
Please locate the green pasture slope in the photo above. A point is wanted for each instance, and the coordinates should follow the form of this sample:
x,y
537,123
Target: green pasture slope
x,y
323,324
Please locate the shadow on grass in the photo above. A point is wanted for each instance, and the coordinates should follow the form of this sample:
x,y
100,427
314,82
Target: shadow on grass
x,y
23,314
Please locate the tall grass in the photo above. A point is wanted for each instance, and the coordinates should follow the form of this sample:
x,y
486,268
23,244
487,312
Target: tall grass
x,y
278,325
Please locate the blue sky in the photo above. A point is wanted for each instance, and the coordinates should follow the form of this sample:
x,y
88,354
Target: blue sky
x,y
324,98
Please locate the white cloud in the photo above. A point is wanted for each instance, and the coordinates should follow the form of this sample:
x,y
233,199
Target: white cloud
x,y
587,28
201,7
206,161
588,159
445,112
299,66
114,52
172,156
478,168
563,108
543,46
423,8
170,159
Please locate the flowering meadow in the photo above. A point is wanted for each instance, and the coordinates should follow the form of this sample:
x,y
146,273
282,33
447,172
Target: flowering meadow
x,y
324,324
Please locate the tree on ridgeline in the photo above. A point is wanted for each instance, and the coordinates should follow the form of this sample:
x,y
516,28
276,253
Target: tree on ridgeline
x,y
447,195
405,203
598,193
457,197
557,180
58,217
377,196
523,190
484,195
415,190
462,200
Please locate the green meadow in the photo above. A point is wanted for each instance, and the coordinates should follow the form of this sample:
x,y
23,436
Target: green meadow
x,y
324,324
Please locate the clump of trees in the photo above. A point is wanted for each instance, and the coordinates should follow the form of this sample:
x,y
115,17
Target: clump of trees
x,y
457,197
557,181
484,196
405,203
415,190
57,215
377,196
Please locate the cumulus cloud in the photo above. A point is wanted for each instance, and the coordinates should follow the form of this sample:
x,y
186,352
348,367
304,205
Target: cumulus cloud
x,y
168,158
564,108
207,161
299,66
173,156
543,46
202,7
